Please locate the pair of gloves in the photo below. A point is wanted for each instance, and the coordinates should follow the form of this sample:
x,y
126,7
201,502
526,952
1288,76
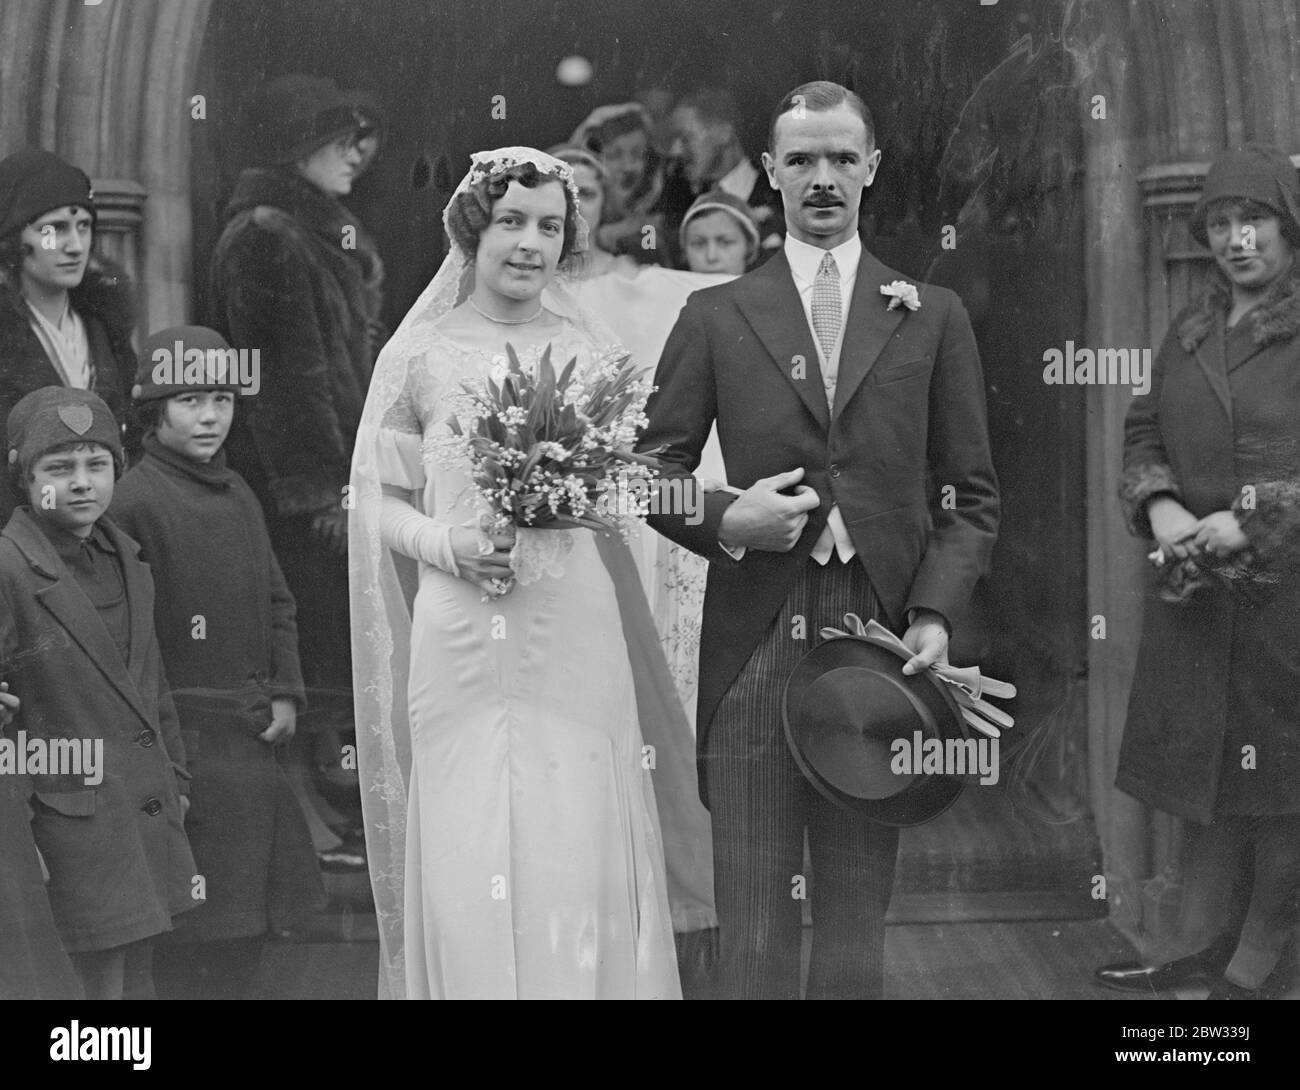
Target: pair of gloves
x,y
966,684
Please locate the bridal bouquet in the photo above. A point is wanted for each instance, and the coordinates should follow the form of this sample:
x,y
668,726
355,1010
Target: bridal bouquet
x,y
552,451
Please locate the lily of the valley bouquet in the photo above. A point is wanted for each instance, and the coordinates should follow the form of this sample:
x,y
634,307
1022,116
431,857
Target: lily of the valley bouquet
x,y
552,451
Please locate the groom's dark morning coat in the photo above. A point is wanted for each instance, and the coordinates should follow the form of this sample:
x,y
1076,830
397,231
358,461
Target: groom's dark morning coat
x,y
909,421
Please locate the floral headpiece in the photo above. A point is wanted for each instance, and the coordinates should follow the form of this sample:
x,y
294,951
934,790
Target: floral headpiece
x,y
484,164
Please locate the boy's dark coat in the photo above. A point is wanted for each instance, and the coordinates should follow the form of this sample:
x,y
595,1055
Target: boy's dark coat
x,y
120,865
33,964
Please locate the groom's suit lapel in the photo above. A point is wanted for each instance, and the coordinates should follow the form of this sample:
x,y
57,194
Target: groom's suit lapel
x,y
770,303
871,324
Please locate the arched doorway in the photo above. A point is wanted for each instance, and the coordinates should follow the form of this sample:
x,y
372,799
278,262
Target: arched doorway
x,y
948,87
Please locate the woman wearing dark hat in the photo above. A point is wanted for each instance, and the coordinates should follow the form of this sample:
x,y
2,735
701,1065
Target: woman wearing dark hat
x,y
65,317
1212,474
295,277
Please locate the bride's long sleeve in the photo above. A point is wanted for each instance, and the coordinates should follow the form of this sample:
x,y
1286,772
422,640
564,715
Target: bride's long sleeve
x,y
412,534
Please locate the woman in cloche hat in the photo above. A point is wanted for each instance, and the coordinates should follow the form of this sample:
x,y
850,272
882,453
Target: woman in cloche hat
x,y
1212,476
66,316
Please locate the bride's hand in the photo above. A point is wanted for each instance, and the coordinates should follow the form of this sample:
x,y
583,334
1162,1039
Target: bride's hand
x,y
483,558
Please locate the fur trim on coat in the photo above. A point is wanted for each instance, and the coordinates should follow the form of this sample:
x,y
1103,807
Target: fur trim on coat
x,y
1137,484
1272,523
1277,318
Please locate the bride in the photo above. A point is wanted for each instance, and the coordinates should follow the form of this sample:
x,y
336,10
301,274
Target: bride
x,y
511,820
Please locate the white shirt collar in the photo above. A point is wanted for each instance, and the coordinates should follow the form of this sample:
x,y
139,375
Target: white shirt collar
x,y
805,260
63,326
739,180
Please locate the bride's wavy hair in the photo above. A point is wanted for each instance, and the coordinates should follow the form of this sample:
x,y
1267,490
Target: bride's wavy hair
x,y
471,211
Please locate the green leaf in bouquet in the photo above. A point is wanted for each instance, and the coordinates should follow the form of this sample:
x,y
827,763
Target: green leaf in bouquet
x,y
534,457
544,393
545,372
562,383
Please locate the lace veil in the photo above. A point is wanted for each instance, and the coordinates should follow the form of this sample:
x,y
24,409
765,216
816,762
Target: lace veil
x,y
382,590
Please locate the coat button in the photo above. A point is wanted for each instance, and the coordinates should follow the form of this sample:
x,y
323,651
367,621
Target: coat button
x,y
153,807
835,469
145,738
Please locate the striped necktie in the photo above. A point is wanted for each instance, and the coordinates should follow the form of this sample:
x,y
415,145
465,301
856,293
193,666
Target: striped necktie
x,y
827,305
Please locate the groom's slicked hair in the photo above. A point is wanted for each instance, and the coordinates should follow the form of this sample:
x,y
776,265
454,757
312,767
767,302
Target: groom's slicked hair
x,y
471,211
817,96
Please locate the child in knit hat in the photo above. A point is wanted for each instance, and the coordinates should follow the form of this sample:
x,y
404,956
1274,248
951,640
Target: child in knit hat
x,y
719,234
226,623
96,728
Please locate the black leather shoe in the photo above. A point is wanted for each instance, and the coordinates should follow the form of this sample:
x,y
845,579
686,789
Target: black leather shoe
x,y
1134,976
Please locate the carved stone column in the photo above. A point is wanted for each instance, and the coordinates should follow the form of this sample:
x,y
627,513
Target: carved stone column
x,y
120,205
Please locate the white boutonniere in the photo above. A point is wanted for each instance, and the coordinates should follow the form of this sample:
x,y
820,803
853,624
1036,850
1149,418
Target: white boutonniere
x,y
901,291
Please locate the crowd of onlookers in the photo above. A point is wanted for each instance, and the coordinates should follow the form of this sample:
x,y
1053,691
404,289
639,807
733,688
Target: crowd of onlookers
x,y
201,630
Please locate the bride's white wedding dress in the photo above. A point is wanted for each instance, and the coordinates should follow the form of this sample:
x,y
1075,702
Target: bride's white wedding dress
x,y
533,861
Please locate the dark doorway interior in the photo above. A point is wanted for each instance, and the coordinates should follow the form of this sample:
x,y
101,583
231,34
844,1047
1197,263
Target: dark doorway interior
x,y
979,126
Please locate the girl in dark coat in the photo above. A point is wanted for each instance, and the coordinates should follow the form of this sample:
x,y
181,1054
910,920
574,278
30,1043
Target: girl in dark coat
x,y
295,277
225,621
1212,474
47,218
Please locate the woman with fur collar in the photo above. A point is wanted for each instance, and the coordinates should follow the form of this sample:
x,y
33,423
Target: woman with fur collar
x,y
66,317
296,279
1212,476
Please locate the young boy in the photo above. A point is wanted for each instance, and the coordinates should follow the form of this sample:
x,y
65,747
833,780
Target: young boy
x,y
78,650
226,623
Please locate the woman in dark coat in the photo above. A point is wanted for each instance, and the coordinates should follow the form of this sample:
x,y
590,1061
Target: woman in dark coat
x,y
36,187
295,277
1212,474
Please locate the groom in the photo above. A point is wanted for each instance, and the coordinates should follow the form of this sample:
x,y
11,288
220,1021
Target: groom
x,y
855,423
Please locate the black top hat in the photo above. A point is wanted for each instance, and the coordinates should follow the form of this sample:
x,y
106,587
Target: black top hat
x,y
846,703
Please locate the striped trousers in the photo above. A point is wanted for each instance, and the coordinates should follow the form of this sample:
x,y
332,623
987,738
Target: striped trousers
x,y
761,805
